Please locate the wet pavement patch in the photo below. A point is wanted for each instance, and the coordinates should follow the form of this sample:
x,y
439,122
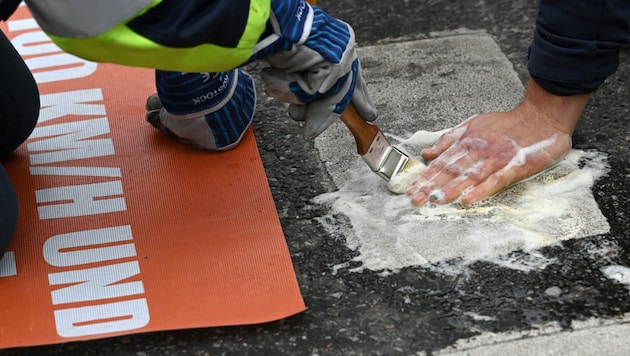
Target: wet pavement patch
x,y
388,231
575,272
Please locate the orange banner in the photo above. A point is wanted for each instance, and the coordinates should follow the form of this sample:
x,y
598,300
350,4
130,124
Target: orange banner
x,y
124,230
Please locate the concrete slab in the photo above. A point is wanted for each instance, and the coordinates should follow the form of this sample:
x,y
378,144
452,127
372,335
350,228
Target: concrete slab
x,y
435,84
430,84
594,337
441,82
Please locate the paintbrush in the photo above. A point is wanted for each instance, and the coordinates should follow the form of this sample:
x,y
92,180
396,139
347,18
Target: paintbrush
x,y
387,161
398,169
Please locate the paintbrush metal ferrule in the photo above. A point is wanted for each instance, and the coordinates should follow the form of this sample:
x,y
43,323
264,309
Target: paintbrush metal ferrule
x,y
383,158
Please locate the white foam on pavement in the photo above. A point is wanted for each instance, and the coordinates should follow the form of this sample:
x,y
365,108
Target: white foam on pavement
x,y
390,233
619,274
431,85
422,88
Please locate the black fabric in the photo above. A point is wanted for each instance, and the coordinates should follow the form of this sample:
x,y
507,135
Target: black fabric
x,y
567,89
19,109
576,43
19,98
8,211
180,24
7,8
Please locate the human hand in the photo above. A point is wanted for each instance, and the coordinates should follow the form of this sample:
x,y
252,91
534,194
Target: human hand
x,y
489,152
314,67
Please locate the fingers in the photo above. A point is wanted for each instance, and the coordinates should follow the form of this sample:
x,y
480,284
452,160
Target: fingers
x,y
448,184
298,112
528,162
461,160
323,112
500,180
153,103
472,177
313,128
443,143
362,101
495,183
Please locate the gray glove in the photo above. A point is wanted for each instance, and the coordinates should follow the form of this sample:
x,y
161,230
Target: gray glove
x,y
320,73
216,123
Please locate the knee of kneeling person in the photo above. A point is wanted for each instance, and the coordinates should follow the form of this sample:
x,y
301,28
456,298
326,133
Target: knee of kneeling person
x,y
8,211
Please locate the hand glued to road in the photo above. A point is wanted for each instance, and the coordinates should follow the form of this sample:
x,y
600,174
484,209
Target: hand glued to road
x,y
490,152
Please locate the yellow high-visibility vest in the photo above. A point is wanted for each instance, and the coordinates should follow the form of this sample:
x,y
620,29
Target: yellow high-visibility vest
x,y
97,30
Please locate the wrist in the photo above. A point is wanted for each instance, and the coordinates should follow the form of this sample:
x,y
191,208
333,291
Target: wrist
x,y
560,112
291,20
290,23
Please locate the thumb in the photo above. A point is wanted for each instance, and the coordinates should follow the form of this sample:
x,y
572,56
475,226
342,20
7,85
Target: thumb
x,y
298,112
362,101
277,85
315,125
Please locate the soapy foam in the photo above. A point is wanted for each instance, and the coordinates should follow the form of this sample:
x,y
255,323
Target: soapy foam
x,y
390,233
400,182
620,274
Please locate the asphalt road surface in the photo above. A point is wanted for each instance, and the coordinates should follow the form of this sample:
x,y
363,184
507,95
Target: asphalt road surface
x,y
491,309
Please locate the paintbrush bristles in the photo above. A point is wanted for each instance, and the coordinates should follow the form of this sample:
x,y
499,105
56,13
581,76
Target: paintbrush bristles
x,y
400,182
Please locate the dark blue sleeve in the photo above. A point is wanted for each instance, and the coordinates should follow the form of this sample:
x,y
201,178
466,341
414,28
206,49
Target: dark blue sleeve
x,y
188,23
576,43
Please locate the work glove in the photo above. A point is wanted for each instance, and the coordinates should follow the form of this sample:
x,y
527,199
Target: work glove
x,y
313,65
210,111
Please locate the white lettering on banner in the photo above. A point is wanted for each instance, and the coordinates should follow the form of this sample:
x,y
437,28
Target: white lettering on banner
x,y
71,249
33,43
67,142
96,283
77,102
77,171
22,24
80,68
37,43
86,199
102,319
7,265
111,292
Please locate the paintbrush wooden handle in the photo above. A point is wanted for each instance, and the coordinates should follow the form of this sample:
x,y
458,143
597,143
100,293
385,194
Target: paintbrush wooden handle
x,y
363,131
